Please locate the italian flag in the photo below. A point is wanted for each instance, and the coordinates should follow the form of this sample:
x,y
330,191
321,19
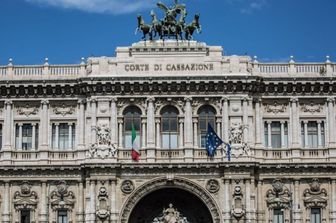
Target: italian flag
x,y
135,146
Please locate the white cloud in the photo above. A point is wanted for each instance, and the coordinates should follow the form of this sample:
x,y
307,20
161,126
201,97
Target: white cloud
x,y
248,6
98,6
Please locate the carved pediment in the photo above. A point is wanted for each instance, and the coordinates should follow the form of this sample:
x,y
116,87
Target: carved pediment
x,y
25,198
275,108
279,196
62,198
27,110
315,196
311,108
64,109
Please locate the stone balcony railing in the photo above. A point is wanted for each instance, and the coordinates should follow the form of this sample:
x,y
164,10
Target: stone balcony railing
x,y
290,69
160,156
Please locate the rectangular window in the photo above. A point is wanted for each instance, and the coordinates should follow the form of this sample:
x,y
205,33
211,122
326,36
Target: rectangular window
x,y
276,140
278,216
311,138
63,136
25,216
62,216
315,216
26,136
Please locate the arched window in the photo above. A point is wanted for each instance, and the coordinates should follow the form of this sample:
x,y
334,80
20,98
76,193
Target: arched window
x,y
169,127
132,118
206,114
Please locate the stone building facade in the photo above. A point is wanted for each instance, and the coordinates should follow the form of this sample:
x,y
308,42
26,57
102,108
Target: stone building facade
x,y
66,138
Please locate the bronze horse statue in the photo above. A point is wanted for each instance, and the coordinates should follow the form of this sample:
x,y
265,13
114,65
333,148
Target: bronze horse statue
x,y
181,24
156,26
145,28
194,25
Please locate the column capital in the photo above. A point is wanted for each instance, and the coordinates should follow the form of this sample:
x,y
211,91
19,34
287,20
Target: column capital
x,y
44,102
224,99
187,99
283,122
120,120
195,120
93,100
331,99
150,99
8,102
19,124
294,100
245,99
81,101
319,121
257,99
269,122
305,121
114,99
157,120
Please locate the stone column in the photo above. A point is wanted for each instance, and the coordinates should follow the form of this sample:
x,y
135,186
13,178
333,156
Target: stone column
x,y
114,211
43,215
218,125
333,201
114,121
81,124
20,136
258,122
319,134
92,201
6,203
143,131
70,136
225,119
305,129
56,135
261,211
245,119
181,132
158,132
331,123
282,128
296,202
44,124
93,121
33,136
188,126
80,204
150,123
195,122
120,124
269,134
295,124
227,197
8,123
87,200
248,199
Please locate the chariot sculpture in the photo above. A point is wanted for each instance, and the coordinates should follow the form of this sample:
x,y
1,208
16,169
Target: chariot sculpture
x,y
173,25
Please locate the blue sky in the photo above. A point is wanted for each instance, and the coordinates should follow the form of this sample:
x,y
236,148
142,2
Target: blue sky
x,y
66,30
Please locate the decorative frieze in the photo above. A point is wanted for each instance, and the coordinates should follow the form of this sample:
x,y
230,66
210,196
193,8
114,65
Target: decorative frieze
x,y
27,110
312,108
275,108
64,109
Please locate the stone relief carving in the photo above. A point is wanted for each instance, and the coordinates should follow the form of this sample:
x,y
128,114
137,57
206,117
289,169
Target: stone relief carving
x,y
64,109
275,108
170,215
238,147
62,198
238,209
25,198
103,209
27,110
103,148
279,196
127,186
312,108
212,186
315,196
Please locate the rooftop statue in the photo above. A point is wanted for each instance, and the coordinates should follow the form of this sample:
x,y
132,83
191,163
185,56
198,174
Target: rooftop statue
x,y
170,26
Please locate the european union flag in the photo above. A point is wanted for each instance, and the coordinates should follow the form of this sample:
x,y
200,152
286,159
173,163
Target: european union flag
x,y
212,141
228,146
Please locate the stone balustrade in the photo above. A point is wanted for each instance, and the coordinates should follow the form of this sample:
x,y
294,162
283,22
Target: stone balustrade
x,y
177,156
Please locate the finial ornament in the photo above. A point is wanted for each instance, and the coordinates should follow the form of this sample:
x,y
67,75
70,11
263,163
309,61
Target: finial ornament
x,y
171,26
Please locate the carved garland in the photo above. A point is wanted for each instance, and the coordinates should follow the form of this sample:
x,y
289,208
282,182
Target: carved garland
x,y
25,198
177,183
315,196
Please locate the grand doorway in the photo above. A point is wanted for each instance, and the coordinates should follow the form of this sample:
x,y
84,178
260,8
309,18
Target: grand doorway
x,y
167,201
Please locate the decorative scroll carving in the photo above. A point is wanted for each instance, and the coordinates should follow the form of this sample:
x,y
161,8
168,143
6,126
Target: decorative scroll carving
x,y
312,108
238,148
127,187
276,108
212,186
170,215
315,196
103,148
236,133
25,198
62,198
103,209
238,209
27,110
64,110
279,196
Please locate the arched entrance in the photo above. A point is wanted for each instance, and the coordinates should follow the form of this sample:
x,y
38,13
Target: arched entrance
x,y
187,204
189,198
